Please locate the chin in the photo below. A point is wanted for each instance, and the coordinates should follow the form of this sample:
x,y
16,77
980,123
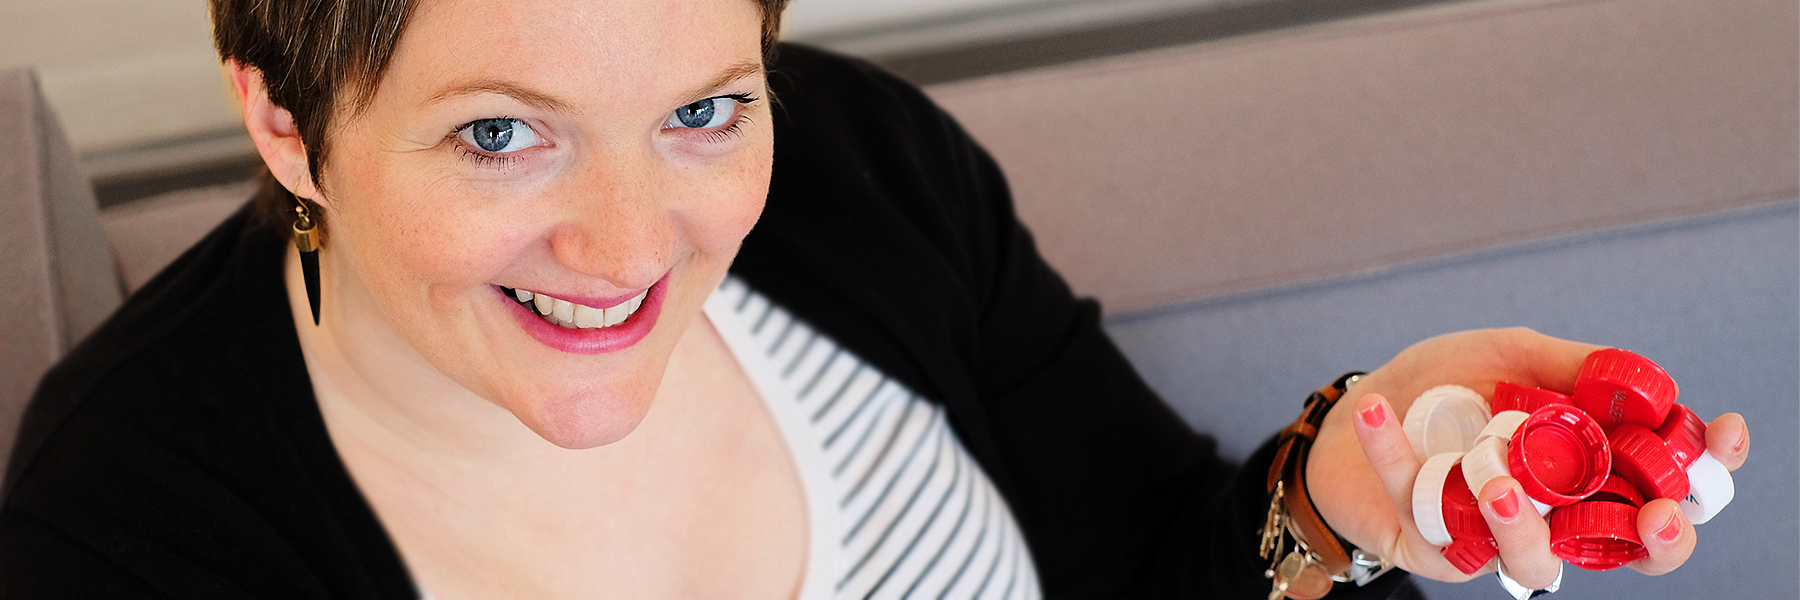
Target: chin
x,y
586,421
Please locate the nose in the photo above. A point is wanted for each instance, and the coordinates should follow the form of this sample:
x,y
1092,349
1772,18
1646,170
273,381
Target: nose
x,y
615,225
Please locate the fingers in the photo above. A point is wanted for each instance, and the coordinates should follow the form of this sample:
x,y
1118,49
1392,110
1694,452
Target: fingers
x,y
1667,534
1550,363
1521,534
1391,457
1728,439
1384,442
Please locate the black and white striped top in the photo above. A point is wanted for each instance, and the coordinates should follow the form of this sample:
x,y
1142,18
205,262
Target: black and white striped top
x,y
898,508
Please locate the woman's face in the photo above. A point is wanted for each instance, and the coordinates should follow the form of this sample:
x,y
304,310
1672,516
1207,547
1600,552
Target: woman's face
x,y
603,159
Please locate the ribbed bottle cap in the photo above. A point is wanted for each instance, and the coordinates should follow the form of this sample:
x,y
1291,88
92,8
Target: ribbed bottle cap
x,y
1502,425
1428,497
1685,435
1617,386
1596,536
1559,455
1445,418
1462,516
1617,489
1512,396
1483,463
1486,461
1709,489
1644,460
1470,556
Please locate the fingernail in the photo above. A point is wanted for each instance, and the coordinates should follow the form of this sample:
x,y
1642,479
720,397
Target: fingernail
x,y
1739,446
1374,415
1670,530
1506,506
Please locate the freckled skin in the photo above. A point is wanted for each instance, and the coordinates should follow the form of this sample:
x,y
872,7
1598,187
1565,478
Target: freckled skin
x,y
607,203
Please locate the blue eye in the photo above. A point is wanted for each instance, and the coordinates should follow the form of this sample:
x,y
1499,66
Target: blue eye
x,y
499,135
705,114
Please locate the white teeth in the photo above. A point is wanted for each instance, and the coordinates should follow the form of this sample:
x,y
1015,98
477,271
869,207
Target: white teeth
x,y
568,314
564,313
544,304
617,314
588,317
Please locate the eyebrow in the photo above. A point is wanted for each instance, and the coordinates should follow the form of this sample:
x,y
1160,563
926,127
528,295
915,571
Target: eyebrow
x,y
546,102
730,74
528,97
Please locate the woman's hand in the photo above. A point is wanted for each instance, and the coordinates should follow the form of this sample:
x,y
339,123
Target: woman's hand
x,y
1361,468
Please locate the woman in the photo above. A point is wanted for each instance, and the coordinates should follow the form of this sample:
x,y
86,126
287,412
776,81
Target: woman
x,y
520,375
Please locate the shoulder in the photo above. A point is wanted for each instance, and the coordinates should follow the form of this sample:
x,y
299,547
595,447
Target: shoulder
x,y
165,372
180,428
170,342
879,204
841,115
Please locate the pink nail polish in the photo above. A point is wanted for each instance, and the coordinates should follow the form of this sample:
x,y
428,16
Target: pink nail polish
x,y
1506,506
1670,529
1374,415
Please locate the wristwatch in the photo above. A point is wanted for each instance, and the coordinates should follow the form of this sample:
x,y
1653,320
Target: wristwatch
x,y
1319,557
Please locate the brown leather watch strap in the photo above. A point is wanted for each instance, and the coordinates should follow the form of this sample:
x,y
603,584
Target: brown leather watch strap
x,y
1289,469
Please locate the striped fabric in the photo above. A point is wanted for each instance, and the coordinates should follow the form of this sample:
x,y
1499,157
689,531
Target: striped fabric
x,y
898,508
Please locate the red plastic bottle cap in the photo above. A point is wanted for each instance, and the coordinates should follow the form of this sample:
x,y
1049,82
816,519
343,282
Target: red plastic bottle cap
x,y
1512,396
1486,461
1470,556
1617,489
1462,515
1428,498
1685,435
1559,455
1596,536
1642,459
1617,386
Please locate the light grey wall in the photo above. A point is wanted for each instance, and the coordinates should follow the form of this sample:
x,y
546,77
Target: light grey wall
x,y
1714,299
120,73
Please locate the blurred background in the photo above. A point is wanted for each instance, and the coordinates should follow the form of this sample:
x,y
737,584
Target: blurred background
x,y
1262,193
136,83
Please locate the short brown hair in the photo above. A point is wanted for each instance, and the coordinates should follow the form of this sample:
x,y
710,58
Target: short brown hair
x,y
317,56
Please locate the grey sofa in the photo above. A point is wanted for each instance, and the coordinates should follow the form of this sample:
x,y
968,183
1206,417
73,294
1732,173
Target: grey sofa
x,y
1261,213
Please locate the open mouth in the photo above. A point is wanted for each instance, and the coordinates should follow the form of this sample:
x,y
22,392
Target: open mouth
x,y
570,315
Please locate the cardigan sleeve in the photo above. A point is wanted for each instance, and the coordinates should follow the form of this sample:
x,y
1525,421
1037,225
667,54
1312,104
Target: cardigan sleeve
x,y
888,227
1119,497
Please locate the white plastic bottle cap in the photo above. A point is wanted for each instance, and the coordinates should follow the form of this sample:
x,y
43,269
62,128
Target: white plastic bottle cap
x,y
1502,425
1486,461
1709,489
1445,418
1483,463
1428,497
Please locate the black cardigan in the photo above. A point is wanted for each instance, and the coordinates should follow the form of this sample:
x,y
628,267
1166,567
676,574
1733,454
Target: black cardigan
x,y
178,451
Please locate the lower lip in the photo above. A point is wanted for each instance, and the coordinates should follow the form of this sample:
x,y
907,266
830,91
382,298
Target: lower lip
x,y
599,340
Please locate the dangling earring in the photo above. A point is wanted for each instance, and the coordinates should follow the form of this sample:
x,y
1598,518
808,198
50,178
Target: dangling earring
x,y
306,239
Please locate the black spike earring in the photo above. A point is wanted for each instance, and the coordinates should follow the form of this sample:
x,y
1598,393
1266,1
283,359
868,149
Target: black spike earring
x,y
306,240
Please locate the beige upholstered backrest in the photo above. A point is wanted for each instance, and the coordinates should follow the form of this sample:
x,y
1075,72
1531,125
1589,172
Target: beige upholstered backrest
x,y
56,280
1301,154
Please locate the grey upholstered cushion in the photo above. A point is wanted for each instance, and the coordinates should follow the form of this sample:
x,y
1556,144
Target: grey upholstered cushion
x,y
56,281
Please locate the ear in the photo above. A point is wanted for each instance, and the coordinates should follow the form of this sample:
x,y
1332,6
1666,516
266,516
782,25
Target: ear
x,y
273,130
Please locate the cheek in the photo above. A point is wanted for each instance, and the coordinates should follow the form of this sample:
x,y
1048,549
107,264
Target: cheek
x,y
733,201
409,241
